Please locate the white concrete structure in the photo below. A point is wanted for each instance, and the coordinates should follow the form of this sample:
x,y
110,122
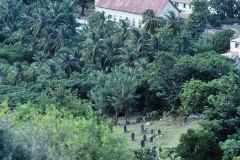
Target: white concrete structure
x,y
183,5
234,52
235,44
132,10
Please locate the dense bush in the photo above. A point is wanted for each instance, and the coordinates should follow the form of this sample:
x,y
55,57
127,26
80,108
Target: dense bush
x,y
198,145
220,41
13,54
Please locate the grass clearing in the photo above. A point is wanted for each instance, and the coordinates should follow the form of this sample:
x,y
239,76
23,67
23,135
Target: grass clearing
x,y
171,129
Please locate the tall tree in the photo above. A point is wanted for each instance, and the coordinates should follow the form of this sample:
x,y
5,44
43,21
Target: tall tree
x,y
196,22
224,8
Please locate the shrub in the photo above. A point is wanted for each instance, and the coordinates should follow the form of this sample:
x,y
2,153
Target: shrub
x,y
13,54
218,23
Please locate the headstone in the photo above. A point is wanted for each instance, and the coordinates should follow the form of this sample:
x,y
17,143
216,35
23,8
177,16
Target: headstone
x,y
197,112
151,139
132,135
144,137
185,120
152,132
142,128
145,120
125,128
142,143
159,132
173,117
160,149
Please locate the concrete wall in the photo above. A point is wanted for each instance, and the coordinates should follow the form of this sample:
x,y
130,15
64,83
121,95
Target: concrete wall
x,y
117,15
167,8
180,6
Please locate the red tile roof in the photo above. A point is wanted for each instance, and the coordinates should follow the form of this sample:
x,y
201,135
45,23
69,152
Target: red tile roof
x,y
133,6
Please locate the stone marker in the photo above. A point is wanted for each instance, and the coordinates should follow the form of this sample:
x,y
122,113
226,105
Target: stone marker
x,y
173,117
142,143
151,139
144,137
185,120
125,128
152,132
160,149
132,135
159,132
142,128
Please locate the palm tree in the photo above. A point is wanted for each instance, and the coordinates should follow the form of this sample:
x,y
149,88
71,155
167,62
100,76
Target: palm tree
x,y
52,70
9,10
67,61
16,73
2,75
172,20
17,38
93,47
150,21
140,42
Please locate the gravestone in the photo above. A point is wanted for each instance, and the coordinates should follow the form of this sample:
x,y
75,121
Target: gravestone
x,y
173,117
132,135
125,128
160,149
185,120
144,137
152,132
142,143
151,139
142,128
145,120
159,132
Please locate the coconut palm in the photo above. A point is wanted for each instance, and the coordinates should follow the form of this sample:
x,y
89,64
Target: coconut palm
x,y
52,70
140,42
9,10
2,75
172,20
17,38
16,73
67,61
93,47
150,21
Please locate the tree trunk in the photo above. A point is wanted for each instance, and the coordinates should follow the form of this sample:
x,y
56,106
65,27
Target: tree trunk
x,y
116,117
126,115
83,14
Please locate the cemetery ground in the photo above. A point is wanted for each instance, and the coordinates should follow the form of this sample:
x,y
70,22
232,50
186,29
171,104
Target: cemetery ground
x,y
171,131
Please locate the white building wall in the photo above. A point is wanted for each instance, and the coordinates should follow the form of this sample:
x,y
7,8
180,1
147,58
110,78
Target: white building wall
x,y
167,8
123,15
184,7
233,46
134,17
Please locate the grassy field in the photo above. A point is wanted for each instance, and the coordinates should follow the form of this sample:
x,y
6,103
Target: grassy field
x,y
171,129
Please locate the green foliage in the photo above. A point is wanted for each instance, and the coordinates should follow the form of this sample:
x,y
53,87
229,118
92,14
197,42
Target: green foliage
x,y
218,23
230,148
167,152
13,54
146,154
152,115
198,145
220,40
16,95
222,111
65,101
55,135
225,9
197,20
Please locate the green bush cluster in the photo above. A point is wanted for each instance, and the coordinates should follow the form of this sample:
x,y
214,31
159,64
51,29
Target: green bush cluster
x,y
13,54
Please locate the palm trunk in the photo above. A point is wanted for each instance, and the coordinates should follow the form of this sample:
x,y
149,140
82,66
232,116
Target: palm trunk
x,y
116,117
83,14
126,115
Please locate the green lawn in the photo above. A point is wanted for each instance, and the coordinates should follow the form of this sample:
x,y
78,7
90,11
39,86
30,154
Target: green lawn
x,y
171,129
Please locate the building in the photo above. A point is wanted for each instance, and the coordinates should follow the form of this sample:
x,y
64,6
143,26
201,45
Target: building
x,y
131,10
183,5
234,52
